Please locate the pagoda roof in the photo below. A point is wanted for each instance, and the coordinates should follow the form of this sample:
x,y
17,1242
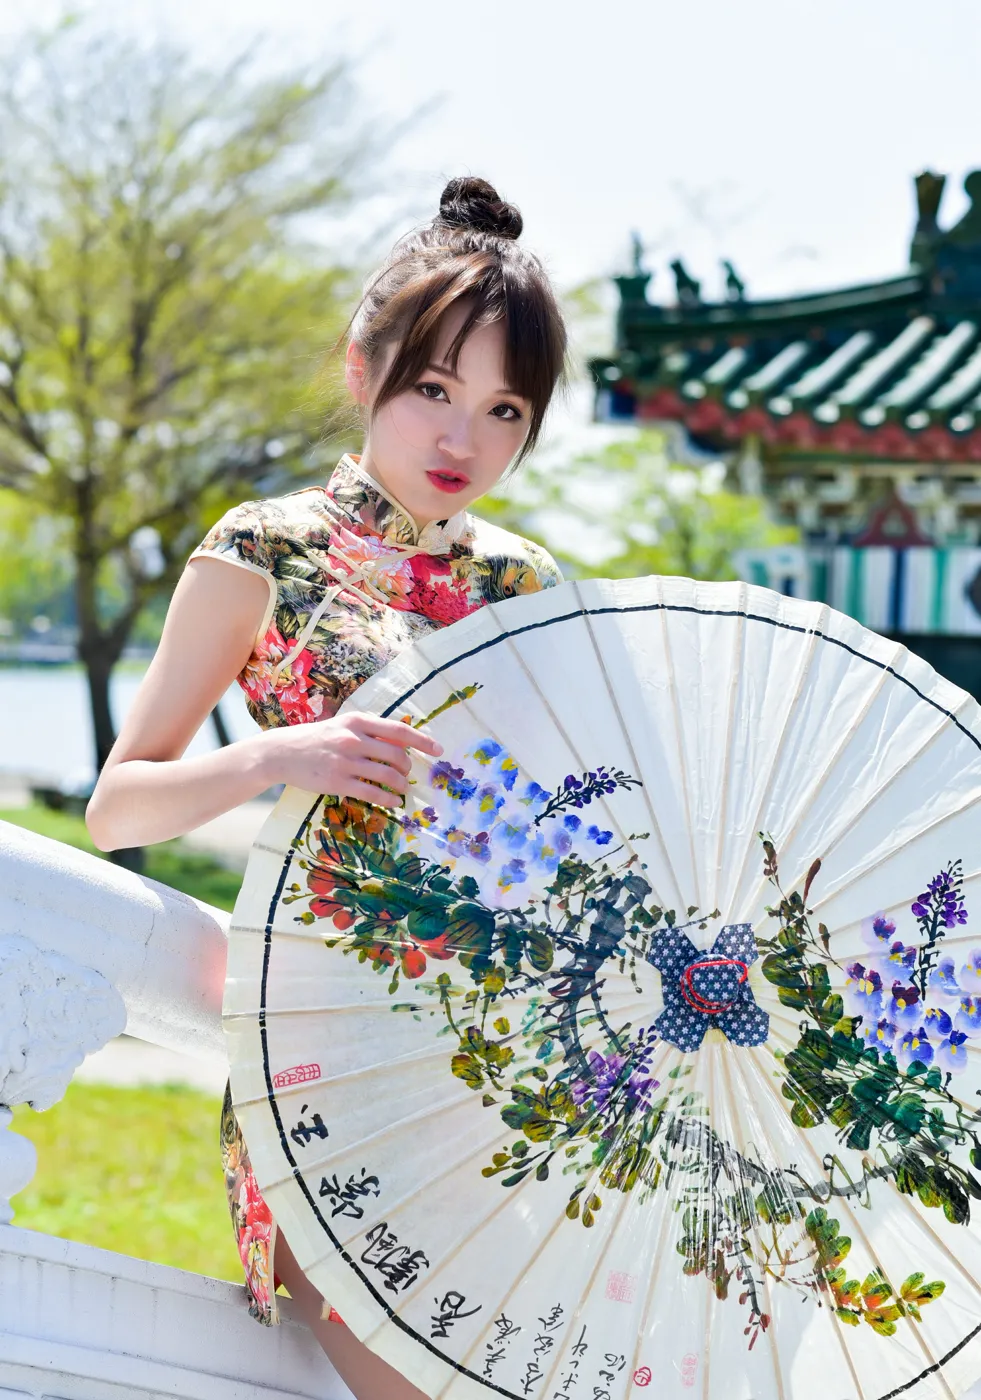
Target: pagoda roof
x,y
890,369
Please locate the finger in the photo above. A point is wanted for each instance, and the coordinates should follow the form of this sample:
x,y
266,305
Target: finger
x,y
369,771
368,792
384,753
393,731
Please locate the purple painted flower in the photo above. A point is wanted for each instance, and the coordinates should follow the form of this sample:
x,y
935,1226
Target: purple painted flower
x,y
902,956
944,980
514,873
607,1075
968,1017
904,1004
914,1045
452,781
969,976
937,1021
952,1052
942,900
877,930
882,1036
863,990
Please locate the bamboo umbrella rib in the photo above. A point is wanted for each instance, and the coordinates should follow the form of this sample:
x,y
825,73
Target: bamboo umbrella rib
x,y
679,736
835,1323
634,757
738,644
902,1202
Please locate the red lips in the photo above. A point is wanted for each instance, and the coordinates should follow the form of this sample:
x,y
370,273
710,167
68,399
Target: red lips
x,y
448,481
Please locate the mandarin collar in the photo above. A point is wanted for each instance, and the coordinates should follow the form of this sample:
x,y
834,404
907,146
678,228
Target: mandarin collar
x,y
372,510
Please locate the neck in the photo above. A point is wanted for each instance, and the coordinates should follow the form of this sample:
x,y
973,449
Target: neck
x,y
368,467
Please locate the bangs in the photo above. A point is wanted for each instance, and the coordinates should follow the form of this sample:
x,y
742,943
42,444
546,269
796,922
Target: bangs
x,y
492,290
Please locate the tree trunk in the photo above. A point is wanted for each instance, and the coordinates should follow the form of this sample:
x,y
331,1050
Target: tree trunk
x,y
221,729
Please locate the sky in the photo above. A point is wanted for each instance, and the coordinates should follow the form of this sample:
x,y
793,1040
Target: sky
x,y
782,134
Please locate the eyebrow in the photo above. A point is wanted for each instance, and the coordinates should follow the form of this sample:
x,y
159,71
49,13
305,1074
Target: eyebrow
x,y
445,370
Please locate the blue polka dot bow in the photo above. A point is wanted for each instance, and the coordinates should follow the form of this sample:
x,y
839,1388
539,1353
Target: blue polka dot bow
x,y
708,989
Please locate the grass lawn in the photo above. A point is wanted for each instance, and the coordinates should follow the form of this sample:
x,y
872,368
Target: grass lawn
x,y
171,862
133,1170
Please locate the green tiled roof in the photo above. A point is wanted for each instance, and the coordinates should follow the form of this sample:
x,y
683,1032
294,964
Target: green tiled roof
x,y
890,369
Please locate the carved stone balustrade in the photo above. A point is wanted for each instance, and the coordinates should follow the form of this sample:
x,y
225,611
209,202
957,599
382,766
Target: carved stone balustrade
x,y
87,950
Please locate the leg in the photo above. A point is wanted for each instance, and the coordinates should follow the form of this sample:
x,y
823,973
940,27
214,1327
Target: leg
x,y
364,1373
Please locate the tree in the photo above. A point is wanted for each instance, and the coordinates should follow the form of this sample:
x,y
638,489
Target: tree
x,y
161,314
628,509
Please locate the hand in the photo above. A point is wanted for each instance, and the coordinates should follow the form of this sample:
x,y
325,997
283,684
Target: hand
x,y
351,755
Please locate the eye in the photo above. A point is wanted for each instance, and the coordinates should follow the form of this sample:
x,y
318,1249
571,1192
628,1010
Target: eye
x,y
424,391
510,414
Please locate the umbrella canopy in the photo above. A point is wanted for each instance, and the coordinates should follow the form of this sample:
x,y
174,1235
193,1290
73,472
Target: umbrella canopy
x,y
641,1048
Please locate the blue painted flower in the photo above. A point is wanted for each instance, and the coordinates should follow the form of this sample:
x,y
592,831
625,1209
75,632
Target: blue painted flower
x,y
487,750
882,1036
944,980
914,1045
902,956
535,795
937,1021
863,990
952,1052
571,822
969,976
968,1017
877,930
602,838
489,800
452,781
904,1004
511,835
514,873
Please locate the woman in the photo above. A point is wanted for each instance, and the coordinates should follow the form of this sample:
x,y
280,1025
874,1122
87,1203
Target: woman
x,y
455,351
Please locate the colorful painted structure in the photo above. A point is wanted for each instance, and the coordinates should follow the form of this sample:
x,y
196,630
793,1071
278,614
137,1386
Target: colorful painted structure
x,y
857,413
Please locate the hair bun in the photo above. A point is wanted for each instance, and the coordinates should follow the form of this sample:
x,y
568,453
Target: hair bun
x,y
471,203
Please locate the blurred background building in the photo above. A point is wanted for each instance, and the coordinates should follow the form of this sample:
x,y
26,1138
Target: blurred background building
x,y
855,412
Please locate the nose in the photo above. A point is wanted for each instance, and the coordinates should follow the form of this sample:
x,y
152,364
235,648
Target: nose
x,y
457,439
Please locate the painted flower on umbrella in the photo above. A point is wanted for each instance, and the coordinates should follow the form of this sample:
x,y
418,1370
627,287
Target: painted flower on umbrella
x,y
914,1045
952,1052
942,900
610,1074
881,1036
904,1005
943,979
863,990
878,931
969,976
968,1016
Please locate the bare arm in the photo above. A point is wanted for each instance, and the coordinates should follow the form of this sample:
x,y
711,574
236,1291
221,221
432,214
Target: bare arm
x,y
147,792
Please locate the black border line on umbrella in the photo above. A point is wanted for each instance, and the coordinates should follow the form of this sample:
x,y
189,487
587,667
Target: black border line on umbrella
x,y
504,636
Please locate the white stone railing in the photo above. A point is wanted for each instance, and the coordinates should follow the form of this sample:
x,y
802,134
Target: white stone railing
x,y
87,950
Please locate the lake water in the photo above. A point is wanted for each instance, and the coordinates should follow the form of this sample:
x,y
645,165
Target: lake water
x,y
46,729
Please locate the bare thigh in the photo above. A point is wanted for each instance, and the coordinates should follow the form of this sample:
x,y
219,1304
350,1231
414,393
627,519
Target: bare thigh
x,y
364,1373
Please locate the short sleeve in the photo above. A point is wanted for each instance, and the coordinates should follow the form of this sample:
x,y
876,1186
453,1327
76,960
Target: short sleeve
x,y
549,573
239,538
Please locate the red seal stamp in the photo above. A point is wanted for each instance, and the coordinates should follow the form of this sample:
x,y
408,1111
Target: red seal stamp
x,y
620,1288
689,1369
298,1074
643,1376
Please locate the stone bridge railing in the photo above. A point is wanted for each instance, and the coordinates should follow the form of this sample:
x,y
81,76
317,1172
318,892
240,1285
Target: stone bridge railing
x,y
87,950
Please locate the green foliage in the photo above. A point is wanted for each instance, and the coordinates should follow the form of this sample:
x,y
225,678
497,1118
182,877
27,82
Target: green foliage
x,y
645,513
873,1300
134,1170
36,576
162,314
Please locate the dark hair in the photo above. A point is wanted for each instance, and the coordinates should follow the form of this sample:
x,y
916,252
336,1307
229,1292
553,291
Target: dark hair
x,y
467,254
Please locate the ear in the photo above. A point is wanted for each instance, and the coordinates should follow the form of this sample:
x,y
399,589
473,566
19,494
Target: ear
x,y
354,372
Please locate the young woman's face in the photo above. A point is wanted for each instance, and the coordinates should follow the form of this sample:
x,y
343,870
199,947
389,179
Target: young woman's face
x,y
447,440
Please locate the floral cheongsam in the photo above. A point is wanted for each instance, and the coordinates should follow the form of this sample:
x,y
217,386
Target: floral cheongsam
x,y
352,581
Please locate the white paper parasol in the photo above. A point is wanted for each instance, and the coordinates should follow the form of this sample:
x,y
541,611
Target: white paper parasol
x,y
644,1048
